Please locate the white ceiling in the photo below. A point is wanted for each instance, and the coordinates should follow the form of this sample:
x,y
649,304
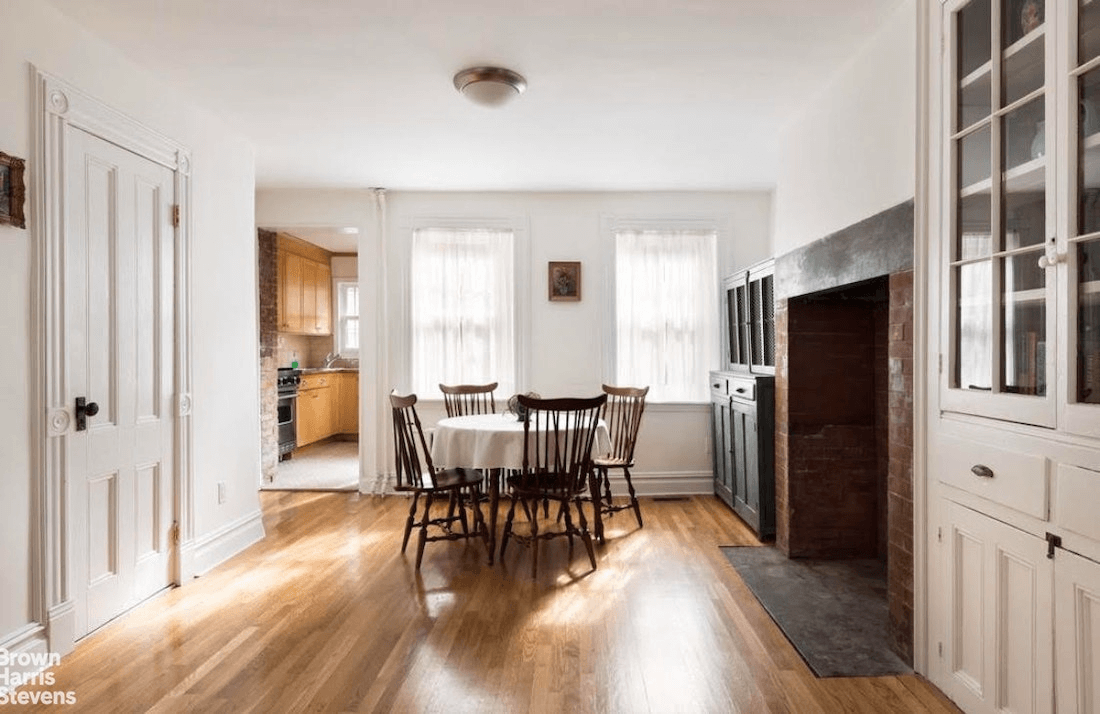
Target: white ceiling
x,y
336,240
622,94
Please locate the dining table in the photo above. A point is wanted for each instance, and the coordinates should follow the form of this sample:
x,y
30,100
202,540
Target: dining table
x,y
491,442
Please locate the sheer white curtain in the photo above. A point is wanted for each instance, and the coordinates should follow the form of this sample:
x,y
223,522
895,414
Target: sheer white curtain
x,y
666,312
462,308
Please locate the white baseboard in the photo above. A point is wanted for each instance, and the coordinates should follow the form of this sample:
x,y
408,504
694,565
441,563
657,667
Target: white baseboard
x,y
62,627
663,483
25,652
212,549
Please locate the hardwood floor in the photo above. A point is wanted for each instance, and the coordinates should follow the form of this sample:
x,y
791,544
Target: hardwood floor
x,y
326,615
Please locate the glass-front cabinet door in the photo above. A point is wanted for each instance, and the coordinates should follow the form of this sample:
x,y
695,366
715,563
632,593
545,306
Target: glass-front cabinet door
x,y
1000,348
1083,264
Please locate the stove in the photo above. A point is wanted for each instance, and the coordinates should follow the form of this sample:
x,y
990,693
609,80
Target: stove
x,y
287,385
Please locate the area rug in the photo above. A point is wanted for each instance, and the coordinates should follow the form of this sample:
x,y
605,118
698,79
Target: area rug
x,y
834,612
329,466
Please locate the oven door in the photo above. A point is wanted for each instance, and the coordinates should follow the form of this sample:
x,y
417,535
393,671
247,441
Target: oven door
x,y
288,417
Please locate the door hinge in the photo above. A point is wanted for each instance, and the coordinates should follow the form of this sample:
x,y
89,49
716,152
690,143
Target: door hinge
x,y
176,216
939,533
175,535
1053,542
939,647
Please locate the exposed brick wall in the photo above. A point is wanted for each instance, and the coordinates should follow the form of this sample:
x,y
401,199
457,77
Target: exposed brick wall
x,y
844,433
267,278
782,432
899,561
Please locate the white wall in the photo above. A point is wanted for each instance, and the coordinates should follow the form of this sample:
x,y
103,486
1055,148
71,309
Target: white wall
x,y
226,375
344,266
568,339
850,152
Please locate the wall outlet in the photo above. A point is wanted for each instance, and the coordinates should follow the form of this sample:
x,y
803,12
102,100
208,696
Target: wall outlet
x,y
221,491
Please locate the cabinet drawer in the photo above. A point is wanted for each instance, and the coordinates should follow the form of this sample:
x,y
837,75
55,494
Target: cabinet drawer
x,y
315,381
1011,478
1074,506
727,385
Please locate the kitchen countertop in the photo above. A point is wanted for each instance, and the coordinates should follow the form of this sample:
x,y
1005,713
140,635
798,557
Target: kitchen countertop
x,y
328,370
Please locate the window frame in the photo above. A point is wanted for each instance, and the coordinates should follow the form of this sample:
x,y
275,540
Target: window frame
x,y
521,309
611,225
342,351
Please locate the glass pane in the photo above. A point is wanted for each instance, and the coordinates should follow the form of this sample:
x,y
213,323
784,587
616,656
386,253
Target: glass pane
x,y
1088,322
1023,316
1023,70
1088,25
975,100
1023,139
974,326
1021,17
975,44
351,334
974,158
975,229
1088,173
1025,219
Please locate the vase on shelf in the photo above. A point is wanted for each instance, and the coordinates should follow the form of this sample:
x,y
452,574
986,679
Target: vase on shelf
x,y
1039,143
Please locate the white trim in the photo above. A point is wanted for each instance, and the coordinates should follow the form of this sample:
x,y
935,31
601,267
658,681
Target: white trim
x,y
921,237
216,547
28,638
58,105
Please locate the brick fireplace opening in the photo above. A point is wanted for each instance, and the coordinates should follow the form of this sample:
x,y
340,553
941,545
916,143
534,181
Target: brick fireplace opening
x,y
844,416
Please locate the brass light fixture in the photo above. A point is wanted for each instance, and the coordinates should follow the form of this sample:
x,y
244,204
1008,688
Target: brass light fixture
x,y
489,86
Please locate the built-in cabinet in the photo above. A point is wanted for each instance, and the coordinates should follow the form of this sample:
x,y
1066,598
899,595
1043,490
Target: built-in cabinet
x,y
743,400
328,404
1014,332
743,434
305,291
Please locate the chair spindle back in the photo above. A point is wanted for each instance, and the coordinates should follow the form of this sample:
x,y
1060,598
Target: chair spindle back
x,y
413,458
557,451
463,399
623,416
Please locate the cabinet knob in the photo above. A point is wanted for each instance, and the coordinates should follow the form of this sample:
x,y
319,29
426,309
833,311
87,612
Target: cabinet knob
x,y
1051,257
981,470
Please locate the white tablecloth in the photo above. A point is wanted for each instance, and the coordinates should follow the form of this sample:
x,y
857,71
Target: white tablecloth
x,y
490,441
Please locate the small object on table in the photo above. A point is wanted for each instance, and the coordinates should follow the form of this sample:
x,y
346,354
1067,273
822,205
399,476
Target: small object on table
x,y
514,407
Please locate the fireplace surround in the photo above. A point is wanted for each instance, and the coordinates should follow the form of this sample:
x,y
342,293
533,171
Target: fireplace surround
x,y
844,403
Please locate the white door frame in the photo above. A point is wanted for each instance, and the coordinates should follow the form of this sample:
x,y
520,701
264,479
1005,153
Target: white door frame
x,y
58,105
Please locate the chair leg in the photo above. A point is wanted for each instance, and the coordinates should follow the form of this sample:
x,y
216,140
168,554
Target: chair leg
x,y
633,498
424,530
535,541
462,511
507,527
479,520
410,522
597,510
585,535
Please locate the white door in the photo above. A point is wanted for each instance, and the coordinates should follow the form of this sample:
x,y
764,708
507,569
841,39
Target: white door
x,y
999,647
1077,633
118,317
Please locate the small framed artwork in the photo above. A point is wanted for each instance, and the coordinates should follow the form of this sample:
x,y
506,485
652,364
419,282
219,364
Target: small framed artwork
x,y
565,280
12,191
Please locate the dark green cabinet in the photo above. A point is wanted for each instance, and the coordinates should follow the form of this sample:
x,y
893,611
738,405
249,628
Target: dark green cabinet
x,y
743,434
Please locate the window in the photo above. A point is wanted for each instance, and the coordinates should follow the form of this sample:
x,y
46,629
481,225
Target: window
x,y
462,301
666,311
347,319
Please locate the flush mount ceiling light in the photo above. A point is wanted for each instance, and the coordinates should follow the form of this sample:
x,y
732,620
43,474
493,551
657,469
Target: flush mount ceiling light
x,y
489,86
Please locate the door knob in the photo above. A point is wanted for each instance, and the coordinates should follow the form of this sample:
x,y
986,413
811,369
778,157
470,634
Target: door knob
x,y
84,409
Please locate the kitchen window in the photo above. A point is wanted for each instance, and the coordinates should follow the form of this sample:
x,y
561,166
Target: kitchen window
x,y
347,319
666,311
462,308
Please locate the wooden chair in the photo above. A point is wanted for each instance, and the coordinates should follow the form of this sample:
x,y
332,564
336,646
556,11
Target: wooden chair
x,y
623,415
557,465
463,399
417,474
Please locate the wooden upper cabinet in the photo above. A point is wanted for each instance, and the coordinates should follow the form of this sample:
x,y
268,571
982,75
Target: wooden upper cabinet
x,y
305,288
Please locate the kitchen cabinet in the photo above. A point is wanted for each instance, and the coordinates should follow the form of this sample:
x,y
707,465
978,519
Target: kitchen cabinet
x,y
1014,349
348,420
328,404
304,293
743,438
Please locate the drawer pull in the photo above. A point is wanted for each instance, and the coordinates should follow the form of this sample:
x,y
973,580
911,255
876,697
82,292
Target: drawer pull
x,y
740,390
982,471
716,386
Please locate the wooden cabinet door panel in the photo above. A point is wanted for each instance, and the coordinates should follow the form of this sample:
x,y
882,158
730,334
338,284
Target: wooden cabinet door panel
x,y
1077,633
291,277
322,288
309,295
348,403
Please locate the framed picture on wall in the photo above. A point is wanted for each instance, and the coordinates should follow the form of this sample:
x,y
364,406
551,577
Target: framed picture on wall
x,y
565,280
12,191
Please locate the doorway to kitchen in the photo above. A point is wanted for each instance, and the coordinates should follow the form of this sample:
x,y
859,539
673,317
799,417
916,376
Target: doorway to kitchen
x,y
309,361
